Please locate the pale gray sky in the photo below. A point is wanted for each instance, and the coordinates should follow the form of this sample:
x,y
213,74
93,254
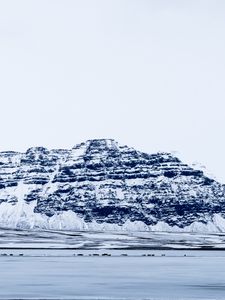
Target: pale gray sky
x,y
150,74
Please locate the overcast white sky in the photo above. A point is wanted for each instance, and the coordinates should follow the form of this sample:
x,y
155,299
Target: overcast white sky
x,y
148,73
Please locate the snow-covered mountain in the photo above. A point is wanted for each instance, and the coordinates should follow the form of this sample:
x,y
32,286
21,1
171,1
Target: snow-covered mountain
x,y
101,185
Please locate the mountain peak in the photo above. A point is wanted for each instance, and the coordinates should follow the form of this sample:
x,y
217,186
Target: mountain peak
x,y
98,144
106,141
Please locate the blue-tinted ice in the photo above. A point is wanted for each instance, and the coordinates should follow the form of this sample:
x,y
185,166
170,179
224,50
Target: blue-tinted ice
x,y
61,275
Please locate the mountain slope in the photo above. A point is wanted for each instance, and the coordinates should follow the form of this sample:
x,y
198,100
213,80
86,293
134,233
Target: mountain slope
x,y
102,185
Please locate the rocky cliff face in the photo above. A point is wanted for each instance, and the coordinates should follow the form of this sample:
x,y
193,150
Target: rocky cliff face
x,y
100,184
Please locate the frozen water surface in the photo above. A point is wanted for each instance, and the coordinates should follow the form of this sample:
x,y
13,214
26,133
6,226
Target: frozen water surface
x,y
58,274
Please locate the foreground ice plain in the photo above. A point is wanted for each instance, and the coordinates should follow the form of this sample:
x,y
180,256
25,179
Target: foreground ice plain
x,y
60,275
69,265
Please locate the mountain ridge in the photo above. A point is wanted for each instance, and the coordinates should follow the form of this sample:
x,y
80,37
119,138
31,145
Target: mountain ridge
x,y
101,184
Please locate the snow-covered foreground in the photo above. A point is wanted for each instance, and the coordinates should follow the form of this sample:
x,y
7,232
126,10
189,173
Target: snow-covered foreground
x,y
199,275
109,240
